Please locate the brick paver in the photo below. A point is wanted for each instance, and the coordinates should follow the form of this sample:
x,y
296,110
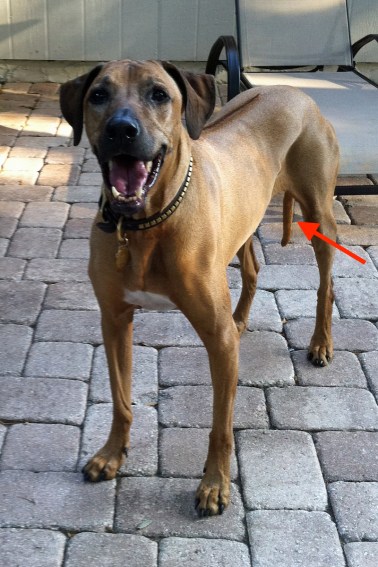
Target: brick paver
x,y
78,228
369,362
56,175
295,303
25,193
356,335
348,455
361,554
143,444
166,505
357,298
69,326
68,294
15,342
301,433
33,547
52,499
285,460
191,406
30,243
343,268
26,447
57,270
273,277
345,370
183,452
292,254
205,552
373,252
313,408
112,549
59,360
264,314
264,360
76,194
74,248
49,215
20,302
42,400
145,376
293,539
356,509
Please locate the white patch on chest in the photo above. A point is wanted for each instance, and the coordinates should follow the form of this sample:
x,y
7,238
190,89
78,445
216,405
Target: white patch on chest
x,y
148,300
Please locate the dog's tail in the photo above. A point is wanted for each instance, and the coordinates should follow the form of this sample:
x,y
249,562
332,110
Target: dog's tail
x,y
288,212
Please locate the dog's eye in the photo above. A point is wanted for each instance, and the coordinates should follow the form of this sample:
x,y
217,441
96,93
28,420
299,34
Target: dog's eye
x,y
159,95
99,96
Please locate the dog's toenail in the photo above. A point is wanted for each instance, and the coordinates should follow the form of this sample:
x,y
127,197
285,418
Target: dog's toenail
x,y
102,476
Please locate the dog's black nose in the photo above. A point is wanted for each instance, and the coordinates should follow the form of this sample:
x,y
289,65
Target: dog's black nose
x,y
123,126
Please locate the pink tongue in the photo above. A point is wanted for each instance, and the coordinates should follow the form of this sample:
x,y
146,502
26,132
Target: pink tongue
x,y
127,176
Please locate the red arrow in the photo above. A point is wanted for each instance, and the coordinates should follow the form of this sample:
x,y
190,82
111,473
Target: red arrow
x,y
310,230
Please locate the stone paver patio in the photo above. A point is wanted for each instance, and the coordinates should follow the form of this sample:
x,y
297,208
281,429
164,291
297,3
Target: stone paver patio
x,y
305,468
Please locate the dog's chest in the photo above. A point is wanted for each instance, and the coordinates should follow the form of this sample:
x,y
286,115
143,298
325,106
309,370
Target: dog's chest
x,y
144,273
149,300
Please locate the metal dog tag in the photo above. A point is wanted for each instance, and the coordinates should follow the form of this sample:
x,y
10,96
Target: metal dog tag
x,y
122,254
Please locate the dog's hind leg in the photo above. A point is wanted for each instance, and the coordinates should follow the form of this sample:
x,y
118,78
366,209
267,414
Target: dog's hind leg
x,y
313,167
321,345
288,213
249,268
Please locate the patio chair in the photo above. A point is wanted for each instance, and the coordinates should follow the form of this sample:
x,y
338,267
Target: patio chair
x,y
307,44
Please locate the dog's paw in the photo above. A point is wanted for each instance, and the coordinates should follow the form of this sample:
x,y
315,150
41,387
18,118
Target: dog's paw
x,y
212,496
320,355
102,466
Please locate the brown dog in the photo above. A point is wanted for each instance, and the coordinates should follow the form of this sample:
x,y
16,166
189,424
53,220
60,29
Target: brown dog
x,y
179,201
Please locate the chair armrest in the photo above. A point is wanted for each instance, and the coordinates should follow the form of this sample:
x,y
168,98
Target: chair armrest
x,y
231,64
362,42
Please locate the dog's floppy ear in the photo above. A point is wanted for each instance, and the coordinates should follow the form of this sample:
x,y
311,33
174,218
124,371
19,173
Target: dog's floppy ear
x,y
198,92
72,96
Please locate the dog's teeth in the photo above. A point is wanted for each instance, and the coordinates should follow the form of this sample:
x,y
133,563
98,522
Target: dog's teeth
x,y
139,192
115,193
149,166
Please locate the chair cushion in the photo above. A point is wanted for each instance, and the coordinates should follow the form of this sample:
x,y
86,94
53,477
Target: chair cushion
x,y
351,105
292,33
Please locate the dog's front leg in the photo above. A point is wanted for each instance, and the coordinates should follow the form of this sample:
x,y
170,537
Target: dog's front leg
x,y
214,490
216,327
117,330
117,333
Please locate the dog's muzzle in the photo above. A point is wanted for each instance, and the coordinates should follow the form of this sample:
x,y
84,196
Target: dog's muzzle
x,y
129,162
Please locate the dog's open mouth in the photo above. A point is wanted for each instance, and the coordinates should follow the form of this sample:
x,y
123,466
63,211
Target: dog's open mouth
x,y
129,180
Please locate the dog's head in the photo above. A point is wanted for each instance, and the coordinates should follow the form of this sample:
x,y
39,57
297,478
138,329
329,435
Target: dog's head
x,y
133,118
